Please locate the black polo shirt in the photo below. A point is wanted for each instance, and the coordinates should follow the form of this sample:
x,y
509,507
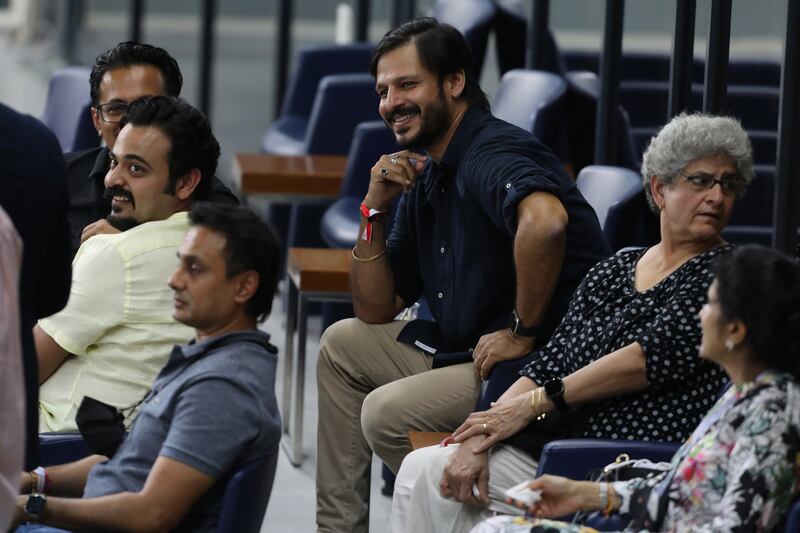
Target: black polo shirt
x,y
453,235
86,171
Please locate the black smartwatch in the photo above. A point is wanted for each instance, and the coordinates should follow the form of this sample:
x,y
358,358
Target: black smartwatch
x,y
34,507
518,329
554,388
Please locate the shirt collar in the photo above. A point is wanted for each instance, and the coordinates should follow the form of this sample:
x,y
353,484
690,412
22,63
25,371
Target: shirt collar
x,y
100,168
456,148
196,349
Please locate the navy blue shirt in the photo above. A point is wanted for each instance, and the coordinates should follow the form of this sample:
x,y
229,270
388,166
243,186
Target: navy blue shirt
x,y
453,235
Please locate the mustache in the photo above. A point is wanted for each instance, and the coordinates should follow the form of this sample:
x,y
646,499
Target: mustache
x,y
403,110
116,190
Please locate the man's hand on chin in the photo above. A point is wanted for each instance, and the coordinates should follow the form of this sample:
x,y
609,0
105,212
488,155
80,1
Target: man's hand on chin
x,y
102,226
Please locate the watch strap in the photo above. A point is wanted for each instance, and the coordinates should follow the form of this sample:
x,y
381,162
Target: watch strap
x,y
518,329
556,397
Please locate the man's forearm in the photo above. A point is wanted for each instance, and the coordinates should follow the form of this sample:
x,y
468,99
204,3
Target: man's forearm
x,y
539,246
371,280
67,479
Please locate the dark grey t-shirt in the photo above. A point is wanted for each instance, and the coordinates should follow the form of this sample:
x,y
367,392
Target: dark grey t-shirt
x,y
213,408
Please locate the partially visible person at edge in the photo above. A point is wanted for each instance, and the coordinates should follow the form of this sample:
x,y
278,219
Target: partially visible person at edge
x,y
117,330
32,162
622,364
738,471
491,231
119,76
211,409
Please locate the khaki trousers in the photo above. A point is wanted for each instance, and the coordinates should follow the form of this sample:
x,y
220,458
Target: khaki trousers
x,y
368,380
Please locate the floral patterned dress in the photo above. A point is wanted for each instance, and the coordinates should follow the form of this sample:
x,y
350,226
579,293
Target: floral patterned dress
x,y
738,472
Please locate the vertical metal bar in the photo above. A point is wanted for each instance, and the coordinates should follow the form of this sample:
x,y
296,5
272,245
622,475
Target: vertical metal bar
x,y
787,174
69,29
299,382
283,34
135,21
207,55
402,11
537,35
288,352
680,69
719,37
362,21
605,144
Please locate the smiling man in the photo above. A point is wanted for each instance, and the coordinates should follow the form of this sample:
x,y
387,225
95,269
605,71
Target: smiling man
x,y
117,329
488,228
119,76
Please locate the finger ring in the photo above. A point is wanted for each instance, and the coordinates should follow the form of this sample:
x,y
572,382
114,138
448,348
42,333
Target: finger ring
x,y
393,159
484,426
384,172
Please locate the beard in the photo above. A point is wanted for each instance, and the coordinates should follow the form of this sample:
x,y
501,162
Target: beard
x,y
434,122
122,223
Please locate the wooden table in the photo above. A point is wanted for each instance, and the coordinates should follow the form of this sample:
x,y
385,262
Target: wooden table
x,y
291,178
320,274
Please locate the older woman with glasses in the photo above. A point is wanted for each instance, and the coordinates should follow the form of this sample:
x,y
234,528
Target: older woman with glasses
x,y
623,363
738,470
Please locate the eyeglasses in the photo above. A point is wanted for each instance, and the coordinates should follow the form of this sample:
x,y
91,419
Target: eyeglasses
x,y
112,112
729,185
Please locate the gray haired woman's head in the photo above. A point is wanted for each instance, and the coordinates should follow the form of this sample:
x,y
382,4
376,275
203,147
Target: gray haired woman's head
x,y
689,137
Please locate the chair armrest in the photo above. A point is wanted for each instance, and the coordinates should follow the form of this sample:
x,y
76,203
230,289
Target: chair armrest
x,y
61,448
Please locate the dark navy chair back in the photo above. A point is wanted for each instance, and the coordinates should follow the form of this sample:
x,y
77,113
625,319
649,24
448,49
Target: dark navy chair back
x,y
247,495
67,111
474,19
605,187
288,133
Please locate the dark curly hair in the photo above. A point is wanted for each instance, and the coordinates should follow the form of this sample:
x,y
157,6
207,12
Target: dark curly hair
x,y
761,287
250,244
188,129
442,50
128,54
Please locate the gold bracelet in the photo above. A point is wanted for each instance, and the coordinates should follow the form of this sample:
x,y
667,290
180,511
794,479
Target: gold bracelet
x,y
368,259
34,483
536,400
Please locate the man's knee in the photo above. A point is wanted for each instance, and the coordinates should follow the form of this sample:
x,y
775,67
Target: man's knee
x,y
378,414
334,346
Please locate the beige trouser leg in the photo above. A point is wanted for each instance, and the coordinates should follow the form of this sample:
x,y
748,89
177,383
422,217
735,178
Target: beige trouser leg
x,y
439,400
354,359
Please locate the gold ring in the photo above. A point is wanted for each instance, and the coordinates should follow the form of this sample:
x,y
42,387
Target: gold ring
x,y
484,426
384,172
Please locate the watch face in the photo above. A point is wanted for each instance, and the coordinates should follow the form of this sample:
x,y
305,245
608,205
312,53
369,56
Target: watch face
x,y
554,387
35,504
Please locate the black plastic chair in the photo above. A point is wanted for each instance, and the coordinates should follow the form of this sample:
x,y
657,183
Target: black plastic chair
x,y
67,111
287,135
474,19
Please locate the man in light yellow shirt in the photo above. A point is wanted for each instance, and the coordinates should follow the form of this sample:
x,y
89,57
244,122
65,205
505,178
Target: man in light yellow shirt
x,y
117,329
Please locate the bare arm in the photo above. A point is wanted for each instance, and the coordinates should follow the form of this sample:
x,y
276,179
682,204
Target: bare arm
x,y
67,479
49,354
169,492
372,282
538,254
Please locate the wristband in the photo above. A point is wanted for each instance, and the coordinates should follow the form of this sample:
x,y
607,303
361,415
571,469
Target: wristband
x,y
40,483
604,501
369,214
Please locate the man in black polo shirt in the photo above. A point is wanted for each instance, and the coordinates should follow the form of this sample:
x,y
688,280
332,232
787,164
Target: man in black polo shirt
x,y
119,76
490,231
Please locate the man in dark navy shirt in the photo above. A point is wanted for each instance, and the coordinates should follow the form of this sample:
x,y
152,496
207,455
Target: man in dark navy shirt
x,y
488,229
125,73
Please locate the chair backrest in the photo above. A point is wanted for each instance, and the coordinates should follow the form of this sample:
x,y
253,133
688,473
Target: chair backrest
x,y
793,519
313,63
342,102
532,100
474,19
67,109
604,187
246,496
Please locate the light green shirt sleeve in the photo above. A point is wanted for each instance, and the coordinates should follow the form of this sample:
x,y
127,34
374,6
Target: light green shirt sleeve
x,y
96,300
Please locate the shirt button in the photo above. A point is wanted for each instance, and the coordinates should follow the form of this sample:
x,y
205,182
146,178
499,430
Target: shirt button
x,y
440,295
442,190
441,249
508,185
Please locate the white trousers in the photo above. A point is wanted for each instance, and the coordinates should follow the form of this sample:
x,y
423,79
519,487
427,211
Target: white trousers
x,y
419,507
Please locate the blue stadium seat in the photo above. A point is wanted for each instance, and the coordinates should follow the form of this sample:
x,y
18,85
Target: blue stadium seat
x,y
287,135
534,101
474,19
604,187
67,111
247,490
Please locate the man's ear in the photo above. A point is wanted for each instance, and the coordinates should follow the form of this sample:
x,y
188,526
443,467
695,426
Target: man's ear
x,y
187,183
96,120
246,286
454,85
